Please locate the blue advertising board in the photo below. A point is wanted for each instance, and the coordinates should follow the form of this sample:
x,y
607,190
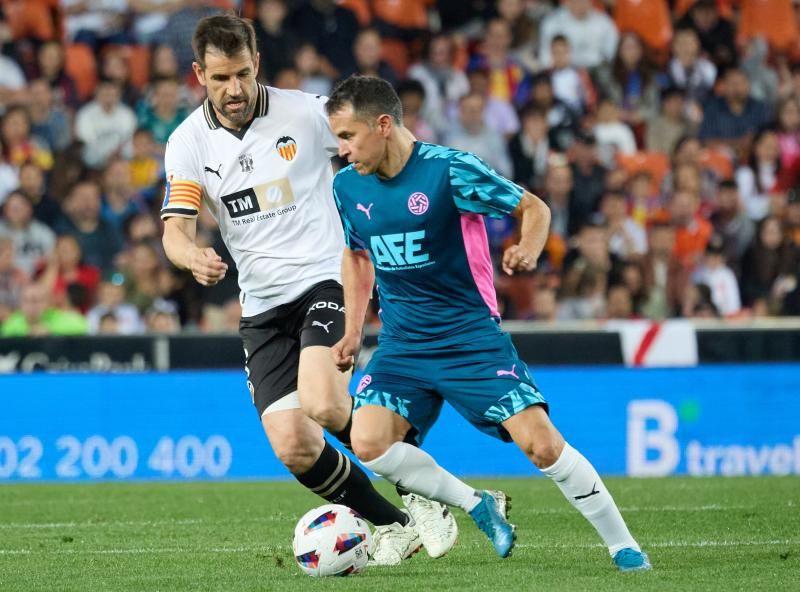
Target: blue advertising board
x,y
708,420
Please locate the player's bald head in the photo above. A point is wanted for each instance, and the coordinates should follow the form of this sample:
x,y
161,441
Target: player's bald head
x,y
369,97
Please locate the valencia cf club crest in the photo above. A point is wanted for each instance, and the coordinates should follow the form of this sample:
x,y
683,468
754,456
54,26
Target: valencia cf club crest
x,y
287,148
246,162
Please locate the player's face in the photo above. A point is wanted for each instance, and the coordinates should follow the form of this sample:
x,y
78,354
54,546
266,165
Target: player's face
x,y
231,84
362,144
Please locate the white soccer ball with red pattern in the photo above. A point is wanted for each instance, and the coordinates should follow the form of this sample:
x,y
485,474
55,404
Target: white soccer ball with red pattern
x,y
332,540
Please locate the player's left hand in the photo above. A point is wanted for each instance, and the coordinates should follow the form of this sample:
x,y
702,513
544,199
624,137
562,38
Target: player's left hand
x,y
517,259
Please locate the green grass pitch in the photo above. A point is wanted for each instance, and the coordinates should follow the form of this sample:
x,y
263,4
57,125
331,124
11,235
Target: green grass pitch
x,y
700,533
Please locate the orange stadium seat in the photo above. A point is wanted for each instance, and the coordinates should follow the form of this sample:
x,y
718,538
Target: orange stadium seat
x,y
650,20
772,19
718,161
655,163
395,53
139,65
80,64
30,18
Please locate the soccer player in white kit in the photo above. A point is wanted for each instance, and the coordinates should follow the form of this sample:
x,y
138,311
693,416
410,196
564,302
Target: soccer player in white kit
x,y
259,159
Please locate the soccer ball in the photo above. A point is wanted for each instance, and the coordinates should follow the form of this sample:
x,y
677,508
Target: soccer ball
x,y
332,540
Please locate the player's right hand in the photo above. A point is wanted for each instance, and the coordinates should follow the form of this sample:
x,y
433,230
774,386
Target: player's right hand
x,y
206,266
344,352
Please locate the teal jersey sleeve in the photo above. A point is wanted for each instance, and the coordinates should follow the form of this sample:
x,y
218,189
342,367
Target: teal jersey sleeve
x,y
351,238
478,189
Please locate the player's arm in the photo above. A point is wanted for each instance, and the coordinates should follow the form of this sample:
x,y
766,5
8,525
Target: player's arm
x,y
534,216
358,278
179,244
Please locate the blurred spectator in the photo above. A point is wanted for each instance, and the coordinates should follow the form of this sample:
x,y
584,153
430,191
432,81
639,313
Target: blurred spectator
x,y
692,231
789,130
613,137
8,177
688,152
619,302
104,125
630,82
732,225
33,241
696,302
588,178
180,27
757,179
36,317
632,277
150,17
545,305
769,267
95,22
12,82
626,238
507,78
222,319
763,79
689,71
330,28
111,301
310,68
145,163
561,121
530,149
643,203
49,121
141,275
120,199
32,184
733,118
714,32
404,20
473,135
162,317
99,240
570,84
524,19
670,125
287,79
499,116
412,98
161,113
444,84
50,67
73,283
18,143
714,273
12,279
592,34
114,66
68,169
367,55
558,186
664,276
274,40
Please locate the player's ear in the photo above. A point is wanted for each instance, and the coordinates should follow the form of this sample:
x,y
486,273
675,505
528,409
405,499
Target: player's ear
x,y
385,124
199,73
257,61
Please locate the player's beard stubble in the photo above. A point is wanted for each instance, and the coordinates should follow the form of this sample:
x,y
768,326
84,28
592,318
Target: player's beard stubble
x,y
239,116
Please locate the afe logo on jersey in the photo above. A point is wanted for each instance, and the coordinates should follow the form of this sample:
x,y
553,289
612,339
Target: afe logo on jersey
x,y
287,148
246,162
396,250
260,198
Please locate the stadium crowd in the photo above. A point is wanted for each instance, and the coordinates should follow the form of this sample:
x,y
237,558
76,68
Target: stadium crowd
x,y
664,136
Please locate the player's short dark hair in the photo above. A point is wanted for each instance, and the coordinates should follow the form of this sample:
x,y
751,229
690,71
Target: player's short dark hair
x,y
226,32
370,97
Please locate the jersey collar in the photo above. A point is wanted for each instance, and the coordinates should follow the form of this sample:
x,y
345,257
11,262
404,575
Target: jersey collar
x,y
262,107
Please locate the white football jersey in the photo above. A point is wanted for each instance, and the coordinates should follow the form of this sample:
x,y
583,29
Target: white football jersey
x,y
268,186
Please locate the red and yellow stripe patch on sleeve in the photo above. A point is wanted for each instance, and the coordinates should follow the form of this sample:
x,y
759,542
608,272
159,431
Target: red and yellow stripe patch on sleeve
x,y
182,194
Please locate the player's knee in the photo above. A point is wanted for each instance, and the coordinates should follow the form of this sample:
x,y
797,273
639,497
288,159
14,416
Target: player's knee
x,y
543,452
330,416
296,455
368,448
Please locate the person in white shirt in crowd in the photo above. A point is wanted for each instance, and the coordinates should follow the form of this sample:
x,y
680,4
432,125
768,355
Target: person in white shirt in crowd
x,y
33,241
613,136
568,84
716,274
473,135
627,238
104,125
592,35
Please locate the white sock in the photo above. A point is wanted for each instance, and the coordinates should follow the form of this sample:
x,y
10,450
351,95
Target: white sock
x,y
416,470
576,478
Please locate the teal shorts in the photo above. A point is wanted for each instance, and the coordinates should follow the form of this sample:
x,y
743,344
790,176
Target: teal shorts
x,y
481,376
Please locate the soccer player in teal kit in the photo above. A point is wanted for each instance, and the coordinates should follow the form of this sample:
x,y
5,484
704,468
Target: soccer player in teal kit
x,y
413,219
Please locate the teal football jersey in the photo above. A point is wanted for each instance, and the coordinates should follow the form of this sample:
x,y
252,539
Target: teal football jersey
x,y
425,233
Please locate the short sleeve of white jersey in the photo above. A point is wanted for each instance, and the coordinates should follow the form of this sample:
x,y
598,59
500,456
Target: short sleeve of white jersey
x,y
183,191
317,105
479,189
